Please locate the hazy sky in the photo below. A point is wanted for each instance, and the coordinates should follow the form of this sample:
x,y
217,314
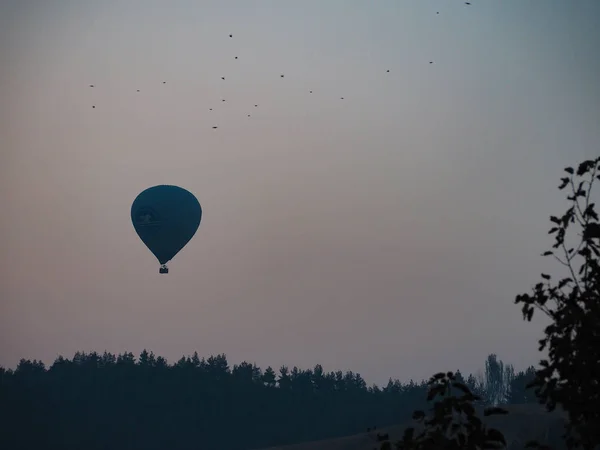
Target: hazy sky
x,y
387,233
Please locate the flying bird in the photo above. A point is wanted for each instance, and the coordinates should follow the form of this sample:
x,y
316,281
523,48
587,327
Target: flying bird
x,y
236,57
164,82
231,35
214,128
467,3
222,78
93,106
281,75
138,90
388,71
255,106
310,92
91,85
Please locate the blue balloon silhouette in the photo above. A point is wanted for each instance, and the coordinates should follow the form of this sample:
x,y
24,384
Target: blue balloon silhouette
x,y
165,218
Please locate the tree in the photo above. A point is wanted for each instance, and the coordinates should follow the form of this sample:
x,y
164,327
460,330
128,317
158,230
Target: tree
x,y
570,376
498,378
269,378
284,381
452,423
476,385
519,391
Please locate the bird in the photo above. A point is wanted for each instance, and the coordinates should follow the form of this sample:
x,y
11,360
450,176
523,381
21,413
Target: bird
x,y
388,71
467,3
138,90
310,92
93,106
341,98
231,35
164,82
210,109
214,128
256,106
281,75
91,85
430,62
236,57
223,100
248,115
222,78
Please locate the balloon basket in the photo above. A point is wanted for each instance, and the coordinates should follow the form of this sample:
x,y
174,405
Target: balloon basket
x,y
163,269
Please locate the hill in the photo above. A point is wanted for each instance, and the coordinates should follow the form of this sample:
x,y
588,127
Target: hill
x,y
523,423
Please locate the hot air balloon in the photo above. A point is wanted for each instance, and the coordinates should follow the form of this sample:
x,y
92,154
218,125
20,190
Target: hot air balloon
x,y
165,218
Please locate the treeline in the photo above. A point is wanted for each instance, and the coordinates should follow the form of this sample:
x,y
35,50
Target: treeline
x,y
107,401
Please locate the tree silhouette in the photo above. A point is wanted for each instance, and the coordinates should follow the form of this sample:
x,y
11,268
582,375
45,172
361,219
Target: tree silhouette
x,y
520,390
498,378
453,423
570,376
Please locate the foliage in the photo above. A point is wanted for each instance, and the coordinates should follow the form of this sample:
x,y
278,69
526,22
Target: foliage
x,y
119,401
453,422
570,376
520,391
498,379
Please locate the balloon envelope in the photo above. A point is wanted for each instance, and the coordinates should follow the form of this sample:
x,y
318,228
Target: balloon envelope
x,y
165,218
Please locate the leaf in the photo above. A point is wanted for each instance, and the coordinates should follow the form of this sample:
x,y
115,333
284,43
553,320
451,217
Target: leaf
x,y
569,170
590,213
585,167
468,409
545,276
437,376
555,219
553,230
495,435
562,283
563,184
461,387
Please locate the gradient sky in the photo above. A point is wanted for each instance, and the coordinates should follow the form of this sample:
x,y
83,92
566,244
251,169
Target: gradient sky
x,y
387,233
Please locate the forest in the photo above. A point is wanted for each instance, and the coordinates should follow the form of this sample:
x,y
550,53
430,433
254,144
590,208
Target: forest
x,y
120,401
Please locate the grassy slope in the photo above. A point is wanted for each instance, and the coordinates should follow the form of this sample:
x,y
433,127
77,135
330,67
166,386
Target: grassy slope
x,y
525,422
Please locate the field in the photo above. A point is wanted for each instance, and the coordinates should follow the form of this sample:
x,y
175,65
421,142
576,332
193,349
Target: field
x,y
524,423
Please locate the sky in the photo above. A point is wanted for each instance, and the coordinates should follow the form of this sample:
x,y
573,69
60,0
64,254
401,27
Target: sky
x,y
387,233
